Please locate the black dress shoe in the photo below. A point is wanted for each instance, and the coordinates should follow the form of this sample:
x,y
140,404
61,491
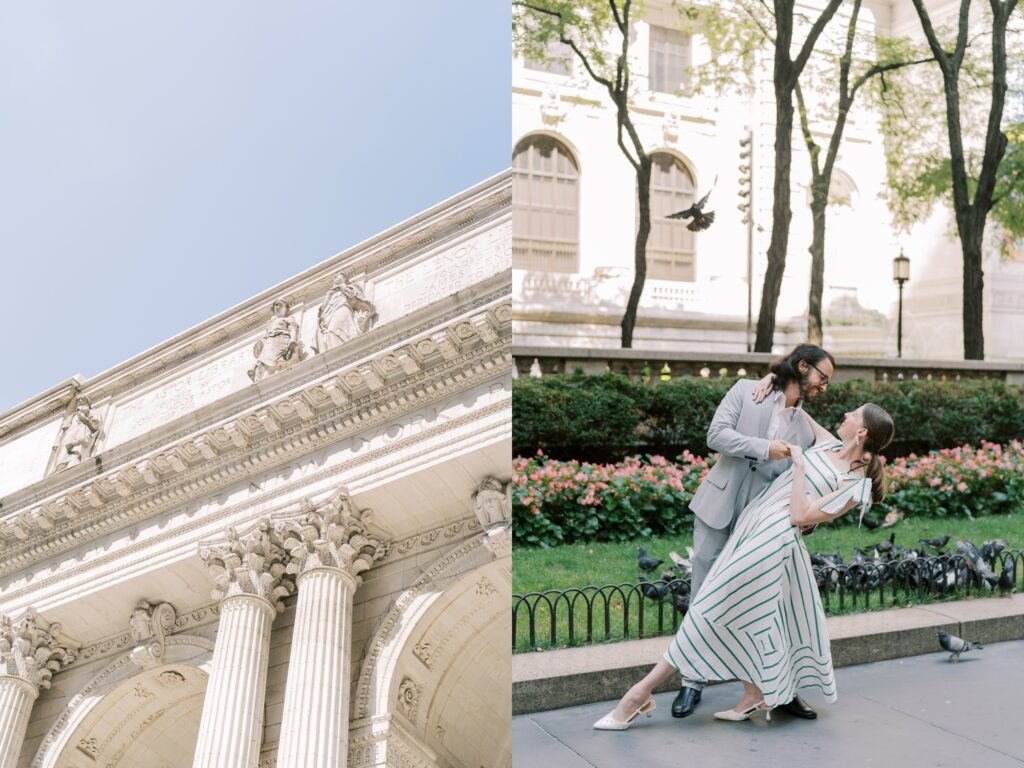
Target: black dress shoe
x,y
685,702
800,708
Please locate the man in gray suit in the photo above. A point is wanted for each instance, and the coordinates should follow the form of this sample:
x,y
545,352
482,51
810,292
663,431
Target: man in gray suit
x,y
752,439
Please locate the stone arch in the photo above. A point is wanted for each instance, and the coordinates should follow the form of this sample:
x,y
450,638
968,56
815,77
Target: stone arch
x,y
435,652
109,721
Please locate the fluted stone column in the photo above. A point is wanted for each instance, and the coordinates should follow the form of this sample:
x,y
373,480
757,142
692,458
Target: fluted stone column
x,y
29,655
329,549
251,581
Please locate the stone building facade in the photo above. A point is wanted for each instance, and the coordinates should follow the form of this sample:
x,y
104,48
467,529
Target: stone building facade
x,y
280,538
576,213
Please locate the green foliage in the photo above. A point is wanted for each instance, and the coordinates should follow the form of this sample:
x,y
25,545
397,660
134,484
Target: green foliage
x,y
569,417
537,25
916,134
563,502
556,503
559,414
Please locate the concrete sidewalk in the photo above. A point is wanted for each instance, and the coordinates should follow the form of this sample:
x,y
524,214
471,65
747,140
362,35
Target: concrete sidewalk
x,y
573,676
912,712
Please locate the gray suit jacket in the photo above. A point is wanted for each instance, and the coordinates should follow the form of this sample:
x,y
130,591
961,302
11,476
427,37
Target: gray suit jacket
x,y
739,432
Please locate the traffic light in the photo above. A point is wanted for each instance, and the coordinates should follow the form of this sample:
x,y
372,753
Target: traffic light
x,y
746,174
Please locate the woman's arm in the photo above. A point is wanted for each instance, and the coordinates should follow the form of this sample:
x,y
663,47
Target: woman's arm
x,y
804,512
821,435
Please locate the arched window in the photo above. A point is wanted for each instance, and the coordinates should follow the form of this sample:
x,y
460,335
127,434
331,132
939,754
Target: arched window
x,y
545,206
671,247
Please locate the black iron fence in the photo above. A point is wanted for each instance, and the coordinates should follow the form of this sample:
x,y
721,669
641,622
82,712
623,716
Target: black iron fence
x,y
594,614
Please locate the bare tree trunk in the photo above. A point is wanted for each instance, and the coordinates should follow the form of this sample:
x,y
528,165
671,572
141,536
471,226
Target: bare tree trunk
x,y
819,202
643,184
781,212
974,340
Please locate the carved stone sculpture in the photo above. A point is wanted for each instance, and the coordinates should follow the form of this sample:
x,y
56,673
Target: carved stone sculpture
x,y
279,347
29,649
332,535
149,626
254,564
345,314
492,503
78,436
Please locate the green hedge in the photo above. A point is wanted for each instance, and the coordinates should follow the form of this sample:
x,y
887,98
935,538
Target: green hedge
x,y
604,418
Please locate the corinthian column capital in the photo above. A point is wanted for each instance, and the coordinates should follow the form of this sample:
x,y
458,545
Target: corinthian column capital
x,y
29,649
331,535
253,564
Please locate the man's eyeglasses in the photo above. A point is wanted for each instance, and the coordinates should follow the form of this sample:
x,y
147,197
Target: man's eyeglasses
x,y
824,378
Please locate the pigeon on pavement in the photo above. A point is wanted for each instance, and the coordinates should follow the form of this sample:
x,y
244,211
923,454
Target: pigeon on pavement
x,y
955,645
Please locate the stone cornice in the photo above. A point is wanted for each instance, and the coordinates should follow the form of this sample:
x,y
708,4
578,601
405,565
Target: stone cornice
x,y
476,207
418,327
321,411
375,462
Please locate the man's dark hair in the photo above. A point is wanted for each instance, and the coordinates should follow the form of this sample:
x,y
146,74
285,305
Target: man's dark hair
x,y
787,369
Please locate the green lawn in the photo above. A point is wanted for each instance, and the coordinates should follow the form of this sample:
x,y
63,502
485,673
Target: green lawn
x,y
618,614
577,565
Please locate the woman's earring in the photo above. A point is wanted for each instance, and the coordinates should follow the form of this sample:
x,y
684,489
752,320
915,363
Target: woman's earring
x,y
856,439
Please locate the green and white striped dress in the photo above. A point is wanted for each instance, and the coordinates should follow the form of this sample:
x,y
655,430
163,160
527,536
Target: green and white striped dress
x,y
758,615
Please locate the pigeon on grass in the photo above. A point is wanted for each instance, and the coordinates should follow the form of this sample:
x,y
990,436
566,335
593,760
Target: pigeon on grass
x,y
645,563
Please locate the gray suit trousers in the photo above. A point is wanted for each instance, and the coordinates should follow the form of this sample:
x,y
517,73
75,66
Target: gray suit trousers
x,y
708,543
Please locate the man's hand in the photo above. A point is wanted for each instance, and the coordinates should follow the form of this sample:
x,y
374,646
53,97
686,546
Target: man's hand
x,y
796,453
807,530
778,449
763,388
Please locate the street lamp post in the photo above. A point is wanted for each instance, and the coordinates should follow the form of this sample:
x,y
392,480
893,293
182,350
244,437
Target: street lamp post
x,y
901,275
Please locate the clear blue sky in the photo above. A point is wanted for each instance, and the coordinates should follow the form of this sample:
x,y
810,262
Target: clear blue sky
x,y
161,162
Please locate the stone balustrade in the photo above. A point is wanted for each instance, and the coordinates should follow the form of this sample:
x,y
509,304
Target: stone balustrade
x,y
655,366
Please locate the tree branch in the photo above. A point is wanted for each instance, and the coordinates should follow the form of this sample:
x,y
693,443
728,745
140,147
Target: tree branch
x,y
567,40
805,128
878,69
812,37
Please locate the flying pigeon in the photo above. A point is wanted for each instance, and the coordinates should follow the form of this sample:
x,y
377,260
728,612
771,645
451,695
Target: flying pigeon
x,y
701,220
955,645
938,543
646,564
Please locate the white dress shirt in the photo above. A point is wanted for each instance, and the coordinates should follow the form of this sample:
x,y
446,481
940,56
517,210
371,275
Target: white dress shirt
x,y
782,417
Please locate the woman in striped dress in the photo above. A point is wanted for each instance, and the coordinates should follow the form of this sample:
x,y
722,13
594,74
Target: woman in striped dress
x,y
758,616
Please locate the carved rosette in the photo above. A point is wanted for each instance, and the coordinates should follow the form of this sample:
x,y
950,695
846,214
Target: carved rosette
x,y
333,535
29,649
254,564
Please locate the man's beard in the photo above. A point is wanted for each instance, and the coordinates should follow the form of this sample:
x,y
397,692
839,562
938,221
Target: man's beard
x,y
806,387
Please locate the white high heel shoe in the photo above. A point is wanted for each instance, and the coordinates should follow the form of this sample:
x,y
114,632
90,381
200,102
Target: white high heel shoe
x,y
609,723
734,716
